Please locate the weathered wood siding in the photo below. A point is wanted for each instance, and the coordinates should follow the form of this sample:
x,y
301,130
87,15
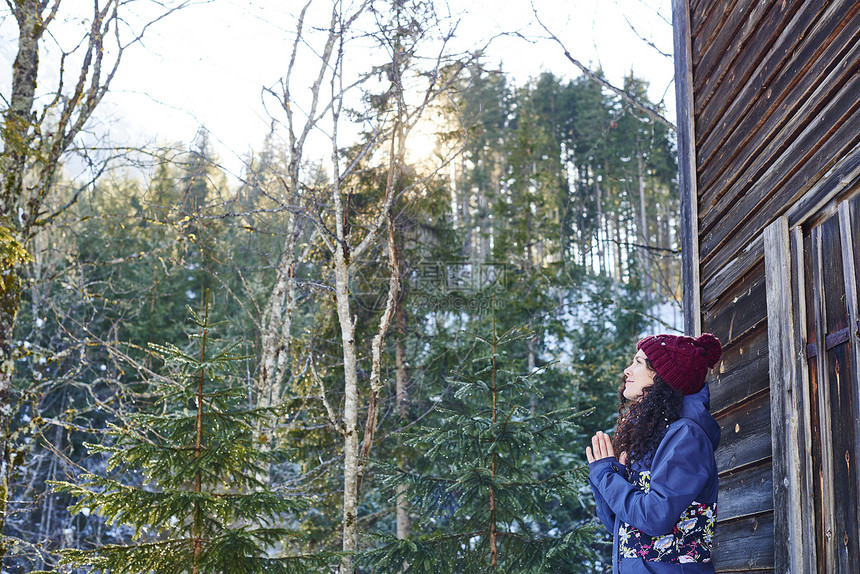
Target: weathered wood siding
x,y
776,115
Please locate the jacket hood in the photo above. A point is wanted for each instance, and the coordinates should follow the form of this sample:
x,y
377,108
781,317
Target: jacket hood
x,y
696,408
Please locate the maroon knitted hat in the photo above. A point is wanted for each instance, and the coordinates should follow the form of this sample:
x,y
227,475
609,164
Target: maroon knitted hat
x,y
682,362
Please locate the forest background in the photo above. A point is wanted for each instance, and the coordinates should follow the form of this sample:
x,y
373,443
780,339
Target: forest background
x,y
378,347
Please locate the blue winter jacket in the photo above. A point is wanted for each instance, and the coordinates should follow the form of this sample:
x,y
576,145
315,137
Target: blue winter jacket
x,y
665,524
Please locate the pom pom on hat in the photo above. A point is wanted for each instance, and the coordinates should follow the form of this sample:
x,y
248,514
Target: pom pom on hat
x,y
682,362
712,347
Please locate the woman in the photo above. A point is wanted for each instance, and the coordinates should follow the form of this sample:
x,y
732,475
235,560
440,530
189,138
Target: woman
x,y
659,496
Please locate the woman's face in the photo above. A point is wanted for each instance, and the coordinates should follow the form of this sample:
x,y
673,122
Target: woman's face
x,y
637,377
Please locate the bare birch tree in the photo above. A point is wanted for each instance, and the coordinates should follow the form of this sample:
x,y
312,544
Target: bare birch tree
x,y
286,191
410,89
364,32
39,127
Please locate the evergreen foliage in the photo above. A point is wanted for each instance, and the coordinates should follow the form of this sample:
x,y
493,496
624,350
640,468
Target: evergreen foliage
x,y
187,475
481,505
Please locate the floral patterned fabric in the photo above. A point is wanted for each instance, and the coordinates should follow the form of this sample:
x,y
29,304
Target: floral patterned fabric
x,y
690,540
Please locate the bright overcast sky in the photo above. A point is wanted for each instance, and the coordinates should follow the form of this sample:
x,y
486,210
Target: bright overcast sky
x,y
206,64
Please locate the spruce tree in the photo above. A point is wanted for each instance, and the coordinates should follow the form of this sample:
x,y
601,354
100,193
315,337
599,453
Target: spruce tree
x,y
188,477
480,500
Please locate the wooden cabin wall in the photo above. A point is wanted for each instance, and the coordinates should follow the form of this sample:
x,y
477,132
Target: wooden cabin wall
x,y
740,402
775,111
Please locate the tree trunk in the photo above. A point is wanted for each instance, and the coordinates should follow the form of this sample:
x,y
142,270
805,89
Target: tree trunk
x,y
277,324
643,227
10,302
350,413
13,219
465,209
616,230
401,400
598,202
483,234
625,251
16,138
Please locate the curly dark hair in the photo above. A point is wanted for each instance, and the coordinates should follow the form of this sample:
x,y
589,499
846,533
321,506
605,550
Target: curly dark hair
x,y
642,423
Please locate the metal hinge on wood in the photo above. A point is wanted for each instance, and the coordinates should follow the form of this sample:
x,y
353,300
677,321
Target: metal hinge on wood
x,y
831,340
837,338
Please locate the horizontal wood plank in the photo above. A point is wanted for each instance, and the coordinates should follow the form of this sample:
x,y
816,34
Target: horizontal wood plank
x,y
724,278
841,176
740,309
746,492
745,437
742,372
744,545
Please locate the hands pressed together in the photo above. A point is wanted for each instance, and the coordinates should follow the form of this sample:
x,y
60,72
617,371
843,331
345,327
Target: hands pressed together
x,y
601,447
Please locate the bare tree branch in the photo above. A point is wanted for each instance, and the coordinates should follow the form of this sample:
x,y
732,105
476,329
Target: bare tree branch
x,y
631,99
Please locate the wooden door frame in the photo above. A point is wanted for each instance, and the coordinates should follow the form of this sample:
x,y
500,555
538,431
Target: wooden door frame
x,y
852,292
795,544
793,510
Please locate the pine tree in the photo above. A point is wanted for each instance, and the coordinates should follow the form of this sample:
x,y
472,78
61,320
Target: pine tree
x,y
481,503
186,479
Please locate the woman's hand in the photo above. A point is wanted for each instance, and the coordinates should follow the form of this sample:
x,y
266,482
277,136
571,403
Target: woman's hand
x,y
601,447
